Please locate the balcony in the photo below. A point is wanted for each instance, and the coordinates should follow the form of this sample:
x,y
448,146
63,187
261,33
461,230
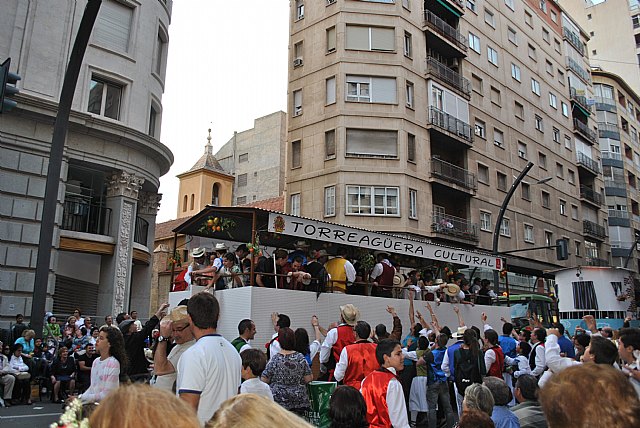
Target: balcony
x,y
584,130
592,261
594,230
619,218
581,100
450,7
140,235
591,195
621,248
443,73
450,173
588,163
606,104
450,226
615,188
574,40
609,130
573,65
81,216
611,159
445,31
452,125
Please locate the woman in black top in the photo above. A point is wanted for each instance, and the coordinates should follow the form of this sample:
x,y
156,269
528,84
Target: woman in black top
x,y
63,370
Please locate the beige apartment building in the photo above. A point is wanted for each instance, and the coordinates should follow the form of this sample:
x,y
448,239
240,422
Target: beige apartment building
x,y
416,117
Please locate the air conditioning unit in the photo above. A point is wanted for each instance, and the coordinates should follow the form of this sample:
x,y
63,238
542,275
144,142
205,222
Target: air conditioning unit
x,y
297,62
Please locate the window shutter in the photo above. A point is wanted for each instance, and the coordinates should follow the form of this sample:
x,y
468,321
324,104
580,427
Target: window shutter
x,y
114,26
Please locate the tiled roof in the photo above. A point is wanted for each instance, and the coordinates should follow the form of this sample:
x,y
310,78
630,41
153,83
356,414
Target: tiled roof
x,y
164,230
210,163
272,204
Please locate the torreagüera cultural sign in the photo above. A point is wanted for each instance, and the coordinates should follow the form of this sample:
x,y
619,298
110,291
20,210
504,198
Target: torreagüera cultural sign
x,y
312,229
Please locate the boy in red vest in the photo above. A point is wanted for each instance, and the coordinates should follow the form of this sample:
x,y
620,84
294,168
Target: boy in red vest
x,y
357,360
382,390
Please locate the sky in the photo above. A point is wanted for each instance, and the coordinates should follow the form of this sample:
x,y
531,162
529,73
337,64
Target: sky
x,y
227,65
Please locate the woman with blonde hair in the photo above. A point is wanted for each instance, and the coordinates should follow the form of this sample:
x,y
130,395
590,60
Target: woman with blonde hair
x,y
138,405
254,411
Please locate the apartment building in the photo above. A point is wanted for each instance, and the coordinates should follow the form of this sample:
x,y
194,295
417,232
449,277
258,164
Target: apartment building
x,y
618,111
415,118
113,158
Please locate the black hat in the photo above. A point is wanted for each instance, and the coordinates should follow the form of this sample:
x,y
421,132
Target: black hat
x,y
124,326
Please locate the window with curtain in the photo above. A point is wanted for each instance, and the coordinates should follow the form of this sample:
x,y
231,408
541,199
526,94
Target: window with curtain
x,y
372,143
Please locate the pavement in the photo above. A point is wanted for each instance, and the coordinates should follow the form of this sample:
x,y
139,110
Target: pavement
x,y
38,415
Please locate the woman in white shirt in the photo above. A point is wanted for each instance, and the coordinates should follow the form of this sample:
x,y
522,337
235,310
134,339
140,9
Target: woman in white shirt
x,y
22,389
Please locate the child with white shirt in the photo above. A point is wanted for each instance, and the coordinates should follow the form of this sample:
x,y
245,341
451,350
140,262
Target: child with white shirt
x,y
253,363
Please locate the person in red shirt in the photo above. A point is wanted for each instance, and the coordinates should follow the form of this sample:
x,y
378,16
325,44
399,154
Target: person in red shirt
x,y
357,360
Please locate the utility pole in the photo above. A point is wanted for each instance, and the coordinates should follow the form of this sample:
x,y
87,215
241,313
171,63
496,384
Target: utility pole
x,y
60,129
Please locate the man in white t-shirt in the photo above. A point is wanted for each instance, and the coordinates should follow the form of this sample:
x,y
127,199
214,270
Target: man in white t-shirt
x,y
174,327
208,372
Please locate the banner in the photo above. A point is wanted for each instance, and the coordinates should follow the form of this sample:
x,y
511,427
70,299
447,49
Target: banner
x,y
344,235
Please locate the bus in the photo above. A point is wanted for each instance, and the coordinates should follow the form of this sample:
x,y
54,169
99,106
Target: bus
x,y
524,304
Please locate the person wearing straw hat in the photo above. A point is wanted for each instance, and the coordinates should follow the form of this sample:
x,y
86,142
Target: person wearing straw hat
x,y
341,336
198,263
174,327
219,250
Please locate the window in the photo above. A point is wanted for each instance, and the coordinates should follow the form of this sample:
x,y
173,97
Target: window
x,y
474,42
537,121
526,191
548,238
498,138
476,83
479,129
299,9
510,4
515,72
161,53
413,203
584,295
153,121
502,181
331,39
546,36
483,174
409,94
563,207
522,150
543,5
559,170
297,102
298,53
406,4
113,26
489,18
372,143
532,52
556,135
492,55
242,180
330,201
635,20
535,86
330,144
565,109
244,157
578,249
561,77
241,200
553,101
571,176
512,35
294,208
408,50
554,16
471,5
411,147
331,90
556,45
574,212
296,153
505,227
518,110
528,233
485,221
104,98
546,199
370,38
542,160
369,200
548,66
567,142
528,18
370,89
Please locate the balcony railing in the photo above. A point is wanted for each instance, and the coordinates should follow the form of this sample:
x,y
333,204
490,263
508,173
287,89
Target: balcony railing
x,y
591,195
444,73
454,226
450,123
622,244
81,216
611,155
580,99
141,232
594,229
585,131
607,104
618,214
588,163
592,261
445,30
577,68
574,40
608,130
453,174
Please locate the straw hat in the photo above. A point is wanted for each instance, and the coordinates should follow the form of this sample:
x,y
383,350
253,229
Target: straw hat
x,y
458,334
350,314
438,281
377,253
177,314
220,246
198,252
321,253
398,280
452,290
301,245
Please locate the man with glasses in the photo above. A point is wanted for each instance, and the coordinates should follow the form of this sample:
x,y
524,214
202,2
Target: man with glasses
x,y
174,327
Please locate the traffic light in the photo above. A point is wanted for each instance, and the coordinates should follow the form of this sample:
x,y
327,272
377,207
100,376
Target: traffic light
x,y
562,249
8,88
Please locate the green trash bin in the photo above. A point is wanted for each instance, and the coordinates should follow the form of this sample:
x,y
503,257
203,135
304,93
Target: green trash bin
x,y
319,396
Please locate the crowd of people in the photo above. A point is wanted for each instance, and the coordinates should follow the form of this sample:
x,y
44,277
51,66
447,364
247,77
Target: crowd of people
x,y
314,270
